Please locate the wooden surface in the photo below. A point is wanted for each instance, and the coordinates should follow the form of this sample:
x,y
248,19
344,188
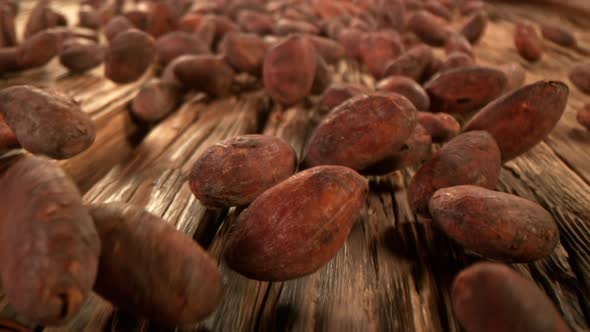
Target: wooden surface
x,y
394,272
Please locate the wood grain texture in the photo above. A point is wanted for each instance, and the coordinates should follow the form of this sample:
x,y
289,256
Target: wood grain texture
x,y
395,270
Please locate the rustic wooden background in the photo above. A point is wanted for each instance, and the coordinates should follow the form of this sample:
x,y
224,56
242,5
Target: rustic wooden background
x,y
394,272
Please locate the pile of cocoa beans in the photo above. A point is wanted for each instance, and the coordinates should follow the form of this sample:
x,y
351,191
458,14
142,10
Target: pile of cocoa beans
x,y
297,212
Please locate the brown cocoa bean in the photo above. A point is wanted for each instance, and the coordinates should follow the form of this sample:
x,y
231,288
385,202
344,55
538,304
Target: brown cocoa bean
x,y
522,118
49,246
416,150
517,303
66,129
377,49
37,50
456,60
528,42
236,171
362,131
255,22
323,77
431,29
458,43
331,50
190,284
470,158
441,126
464,89
297,226
129,56
558,35
408,88
338,93
579,75
116,26
475,27
207,73
155,101
177,43
289,70
245,52
494,224
413,63
80,56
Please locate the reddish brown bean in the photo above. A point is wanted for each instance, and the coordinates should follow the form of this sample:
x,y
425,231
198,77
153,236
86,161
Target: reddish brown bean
x,y
236,171
377,49
323,77
208,73
331,50
36,21
456,60
284,27
408,88
458,43
66,129
221,26
297,226
470,158
362,131
438,9
9,60
177,43
289,70
37,50
441,126
80,56
155,100
416,150
139,18
472,6
255,22
161,19
412,64
351,40
116,26
431,29
89,17
515,75
558,35
494,224
475,26
129,56
579,75
338,93
244,52
517,303
7,27
521,119
49,247
141,250
583,116
464,89
528,42
7,325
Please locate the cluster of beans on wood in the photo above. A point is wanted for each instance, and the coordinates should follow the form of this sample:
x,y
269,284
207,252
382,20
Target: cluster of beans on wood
x,y
425,90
